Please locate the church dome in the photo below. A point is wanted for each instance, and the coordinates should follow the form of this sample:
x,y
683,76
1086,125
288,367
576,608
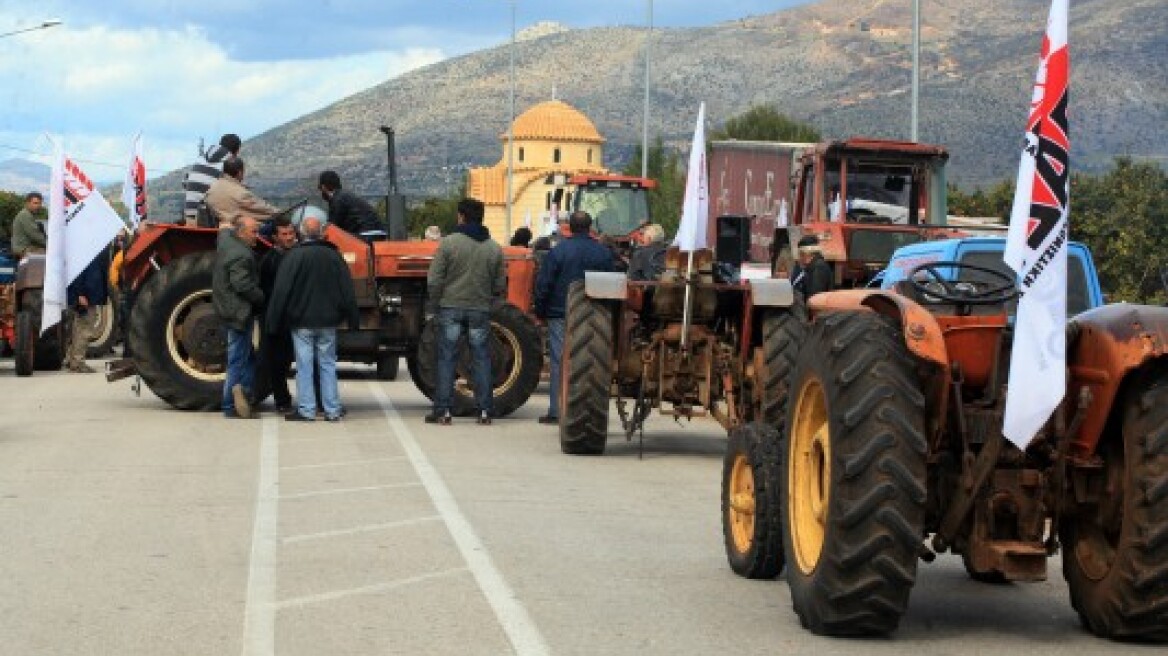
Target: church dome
x,y
555,120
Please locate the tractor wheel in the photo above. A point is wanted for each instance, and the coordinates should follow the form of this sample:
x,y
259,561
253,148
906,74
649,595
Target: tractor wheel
x,y
24,350
107,334
853,476
516,362
1115,552
751,526
387,367
783,334
585,374
47,349
177,340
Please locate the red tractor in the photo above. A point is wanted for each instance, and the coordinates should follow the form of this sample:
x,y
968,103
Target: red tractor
x,y
177,343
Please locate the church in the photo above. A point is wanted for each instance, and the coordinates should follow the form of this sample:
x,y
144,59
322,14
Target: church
x,y
552,140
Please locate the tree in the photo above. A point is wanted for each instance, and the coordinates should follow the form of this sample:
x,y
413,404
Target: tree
x,y
441,211
666,168
765,123
10,206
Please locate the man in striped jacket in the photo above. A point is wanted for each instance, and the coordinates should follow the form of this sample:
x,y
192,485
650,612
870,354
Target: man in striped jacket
x,y
202,173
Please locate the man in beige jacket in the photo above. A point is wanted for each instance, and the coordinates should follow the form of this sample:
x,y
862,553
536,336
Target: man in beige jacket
x,y
229,200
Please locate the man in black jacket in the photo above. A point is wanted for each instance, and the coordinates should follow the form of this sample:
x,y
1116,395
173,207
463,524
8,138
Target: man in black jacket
x,y
87,293
236,295
313,294
811,274
275,358
565,264
348,211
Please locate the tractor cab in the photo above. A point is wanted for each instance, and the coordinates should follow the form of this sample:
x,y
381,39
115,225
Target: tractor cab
x,y
618,204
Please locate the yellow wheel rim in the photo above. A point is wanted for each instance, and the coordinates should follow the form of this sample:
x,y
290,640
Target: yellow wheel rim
x,y
809,476
741,504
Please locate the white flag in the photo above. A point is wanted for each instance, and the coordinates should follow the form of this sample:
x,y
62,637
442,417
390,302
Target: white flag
x,y
1036,245
693,232
81,224
134,187
782,221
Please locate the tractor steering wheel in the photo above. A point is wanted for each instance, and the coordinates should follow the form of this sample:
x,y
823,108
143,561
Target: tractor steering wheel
x,y
1000,290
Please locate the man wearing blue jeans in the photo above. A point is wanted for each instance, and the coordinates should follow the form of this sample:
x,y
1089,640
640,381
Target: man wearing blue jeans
x,y
313,294
465,280
236,295
563,265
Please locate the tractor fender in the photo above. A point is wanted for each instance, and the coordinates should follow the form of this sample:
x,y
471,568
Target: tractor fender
x,y
772,292
606,285
30,272
1104,347
922,333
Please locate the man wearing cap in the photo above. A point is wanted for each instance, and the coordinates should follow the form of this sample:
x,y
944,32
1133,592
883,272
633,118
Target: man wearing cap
x,y
811,274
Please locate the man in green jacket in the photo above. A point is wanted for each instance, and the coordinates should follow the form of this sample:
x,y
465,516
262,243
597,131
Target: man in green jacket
x,y
236,294
465,280
28,232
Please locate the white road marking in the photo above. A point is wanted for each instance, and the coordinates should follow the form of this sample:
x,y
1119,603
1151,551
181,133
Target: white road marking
x,y
368,589
343,463
259,628
359,529
521,630
347,490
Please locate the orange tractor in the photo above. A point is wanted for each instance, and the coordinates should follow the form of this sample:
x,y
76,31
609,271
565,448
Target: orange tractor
x,y
177,344
893,434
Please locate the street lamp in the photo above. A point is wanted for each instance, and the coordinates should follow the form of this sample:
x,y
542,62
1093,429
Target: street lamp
x,y
916,66
645,122
511,130
52,22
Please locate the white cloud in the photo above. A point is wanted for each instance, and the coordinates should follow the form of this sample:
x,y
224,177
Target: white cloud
x,y
98,86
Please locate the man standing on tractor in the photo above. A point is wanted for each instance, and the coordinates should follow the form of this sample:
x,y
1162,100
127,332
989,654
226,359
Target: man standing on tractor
x,y
236,295
28,228
563,265
205,172
811,275
348,211
229,200
466,279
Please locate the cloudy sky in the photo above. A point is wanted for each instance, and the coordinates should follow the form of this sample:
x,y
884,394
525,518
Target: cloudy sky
x,y
178,70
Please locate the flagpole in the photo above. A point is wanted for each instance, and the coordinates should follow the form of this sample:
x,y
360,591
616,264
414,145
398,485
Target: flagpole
x,y
645,120
687,307
916,67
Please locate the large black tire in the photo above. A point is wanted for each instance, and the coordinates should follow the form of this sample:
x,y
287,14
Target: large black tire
x,y
388,367
853,476
1115,557
24,350
108,334
783,334
751,524
516,363
177,341
48,349
585,374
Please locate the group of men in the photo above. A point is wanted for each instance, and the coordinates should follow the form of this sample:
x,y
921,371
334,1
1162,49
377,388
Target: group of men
x,y
85,295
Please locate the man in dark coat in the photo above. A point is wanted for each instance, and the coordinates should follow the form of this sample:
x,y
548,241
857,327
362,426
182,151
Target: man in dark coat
x,y
86,294
648,261
236,295
466,279
275,357
811,274
313,295
348,211
565,264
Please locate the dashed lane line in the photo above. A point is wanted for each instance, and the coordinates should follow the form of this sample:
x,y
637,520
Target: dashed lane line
x,y
348,490
367,589
292,539
343,463
259,629
516,622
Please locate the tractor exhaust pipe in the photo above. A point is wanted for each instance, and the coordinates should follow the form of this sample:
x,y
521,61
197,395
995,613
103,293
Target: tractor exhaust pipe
x,y
395,203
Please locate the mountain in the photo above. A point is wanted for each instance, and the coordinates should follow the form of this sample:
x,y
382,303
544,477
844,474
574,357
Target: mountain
x,y
842,65
21,176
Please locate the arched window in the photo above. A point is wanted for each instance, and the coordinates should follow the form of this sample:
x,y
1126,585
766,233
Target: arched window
x,y
521,153
556,155
589,155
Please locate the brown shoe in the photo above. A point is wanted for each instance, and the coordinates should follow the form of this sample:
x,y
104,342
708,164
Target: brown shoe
x,y
484,419
549,420
242,406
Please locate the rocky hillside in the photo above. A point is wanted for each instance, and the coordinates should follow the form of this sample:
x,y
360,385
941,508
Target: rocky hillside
x,y
842,65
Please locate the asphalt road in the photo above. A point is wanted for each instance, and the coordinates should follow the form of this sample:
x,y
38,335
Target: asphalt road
x,y
131,528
